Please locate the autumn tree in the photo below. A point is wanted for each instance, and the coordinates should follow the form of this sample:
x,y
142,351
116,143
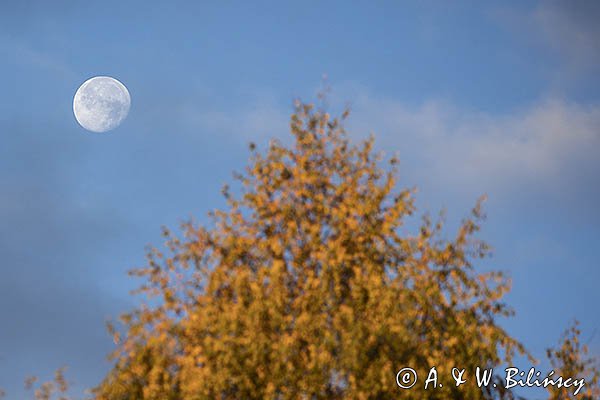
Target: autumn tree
x,y
571,359
310,286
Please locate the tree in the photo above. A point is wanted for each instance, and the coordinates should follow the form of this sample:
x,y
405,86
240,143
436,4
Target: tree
x,y
306,288
571,359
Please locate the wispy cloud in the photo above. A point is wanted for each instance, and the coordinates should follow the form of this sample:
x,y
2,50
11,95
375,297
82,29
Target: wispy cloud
x,y
543,142
550,142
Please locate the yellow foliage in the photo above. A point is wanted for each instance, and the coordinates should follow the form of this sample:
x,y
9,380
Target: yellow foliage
x,y
305,288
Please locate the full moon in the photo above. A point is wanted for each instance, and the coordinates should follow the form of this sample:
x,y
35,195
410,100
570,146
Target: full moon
x,y
101,103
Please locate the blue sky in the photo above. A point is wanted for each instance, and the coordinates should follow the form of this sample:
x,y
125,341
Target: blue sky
x,y
478,97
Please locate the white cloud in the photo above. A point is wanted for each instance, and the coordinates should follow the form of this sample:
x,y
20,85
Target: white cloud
x,y
545,143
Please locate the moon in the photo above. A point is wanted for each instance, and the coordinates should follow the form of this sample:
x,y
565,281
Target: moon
x,y
101,103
